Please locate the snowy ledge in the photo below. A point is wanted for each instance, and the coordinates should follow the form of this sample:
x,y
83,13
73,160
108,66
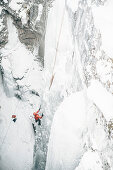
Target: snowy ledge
x,y
102,98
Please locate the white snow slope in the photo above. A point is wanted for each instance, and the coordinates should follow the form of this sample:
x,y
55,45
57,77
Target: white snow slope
x,y
16,139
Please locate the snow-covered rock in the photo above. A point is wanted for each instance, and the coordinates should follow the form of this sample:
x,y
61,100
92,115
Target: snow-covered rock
x,y
104,23
102,98
91,160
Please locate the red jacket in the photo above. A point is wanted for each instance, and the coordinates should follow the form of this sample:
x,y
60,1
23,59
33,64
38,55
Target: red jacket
x,y
13,116
36,115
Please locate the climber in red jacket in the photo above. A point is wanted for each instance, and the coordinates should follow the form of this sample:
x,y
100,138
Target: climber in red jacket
x,y
37,117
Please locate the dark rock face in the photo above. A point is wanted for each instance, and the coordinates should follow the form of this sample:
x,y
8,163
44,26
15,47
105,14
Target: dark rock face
x,y
3,29
33,13
27,37
30,32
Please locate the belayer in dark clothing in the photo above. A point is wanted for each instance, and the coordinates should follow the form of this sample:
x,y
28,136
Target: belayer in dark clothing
x,y
14,118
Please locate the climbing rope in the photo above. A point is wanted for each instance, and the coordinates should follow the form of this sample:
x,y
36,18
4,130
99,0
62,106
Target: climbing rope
x,y
5,134
57,46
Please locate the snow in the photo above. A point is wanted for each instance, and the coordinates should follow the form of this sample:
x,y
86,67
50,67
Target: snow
x,y
104,70
72,4
19,7
23,16
0,9
16,139
16,4
51,44
74,127
6,1
79,133
66,138
90,160
13,62
12,32
40,8
97,133
104,23
1,24
102,98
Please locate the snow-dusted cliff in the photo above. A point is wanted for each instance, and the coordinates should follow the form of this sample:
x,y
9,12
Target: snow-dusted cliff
x,y
57,54
81,132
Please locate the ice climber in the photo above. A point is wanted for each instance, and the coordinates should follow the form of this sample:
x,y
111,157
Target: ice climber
x,y
37,117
